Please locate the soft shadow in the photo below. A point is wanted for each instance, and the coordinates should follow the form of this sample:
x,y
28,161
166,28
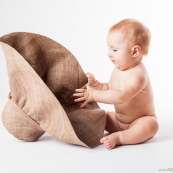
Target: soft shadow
x,y
160,138
47,137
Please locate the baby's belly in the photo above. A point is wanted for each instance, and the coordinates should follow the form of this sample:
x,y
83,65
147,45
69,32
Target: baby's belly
x,y
126,119
128,115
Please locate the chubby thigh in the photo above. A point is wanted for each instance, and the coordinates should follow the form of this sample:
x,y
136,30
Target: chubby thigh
x,y
113,125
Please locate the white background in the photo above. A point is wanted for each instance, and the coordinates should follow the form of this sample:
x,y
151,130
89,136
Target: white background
x,y
81,26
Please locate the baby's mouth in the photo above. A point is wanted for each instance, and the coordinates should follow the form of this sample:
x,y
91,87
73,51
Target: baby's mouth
x,y
115,64
113,61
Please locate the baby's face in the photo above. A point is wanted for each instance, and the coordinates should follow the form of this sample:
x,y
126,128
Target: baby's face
x,y
119,51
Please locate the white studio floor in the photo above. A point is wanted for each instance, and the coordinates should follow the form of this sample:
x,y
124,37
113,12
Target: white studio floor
x,y
49,155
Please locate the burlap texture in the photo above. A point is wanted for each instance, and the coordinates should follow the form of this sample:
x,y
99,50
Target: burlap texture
x,y
42,77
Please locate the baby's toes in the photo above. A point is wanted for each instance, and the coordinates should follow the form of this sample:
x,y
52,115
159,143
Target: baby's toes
x,y
103,140
107,144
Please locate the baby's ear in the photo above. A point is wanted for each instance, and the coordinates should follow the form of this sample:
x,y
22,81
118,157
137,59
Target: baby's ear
x,y
136,51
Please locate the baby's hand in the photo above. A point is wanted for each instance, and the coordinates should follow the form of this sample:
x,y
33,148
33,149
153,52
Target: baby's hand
x,y
85,95
91,79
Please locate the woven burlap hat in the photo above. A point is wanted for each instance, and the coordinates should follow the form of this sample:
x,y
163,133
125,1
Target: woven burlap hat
x,y
43,75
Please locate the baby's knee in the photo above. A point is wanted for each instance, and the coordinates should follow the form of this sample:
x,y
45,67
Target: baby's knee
x,y
154,125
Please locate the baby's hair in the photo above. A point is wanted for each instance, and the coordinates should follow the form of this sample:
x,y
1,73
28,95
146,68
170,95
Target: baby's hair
x,y
135,32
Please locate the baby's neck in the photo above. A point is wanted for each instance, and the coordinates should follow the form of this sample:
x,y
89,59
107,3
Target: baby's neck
x,y
137,62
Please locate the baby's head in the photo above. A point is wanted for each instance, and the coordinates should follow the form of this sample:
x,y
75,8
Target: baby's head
x,y
134,32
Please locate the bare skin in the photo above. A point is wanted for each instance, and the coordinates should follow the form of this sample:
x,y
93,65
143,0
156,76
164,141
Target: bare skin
x,y
129,90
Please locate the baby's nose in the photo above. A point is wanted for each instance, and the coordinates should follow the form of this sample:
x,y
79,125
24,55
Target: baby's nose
x,y
109,53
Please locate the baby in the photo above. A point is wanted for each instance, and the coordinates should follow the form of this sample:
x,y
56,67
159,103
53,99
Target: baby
x,y
129,88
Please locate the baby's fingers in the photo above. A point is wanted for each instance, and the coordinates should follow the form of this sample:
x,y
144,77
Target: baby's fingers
x,y
78,94
91,79
89,75
79,99
80,90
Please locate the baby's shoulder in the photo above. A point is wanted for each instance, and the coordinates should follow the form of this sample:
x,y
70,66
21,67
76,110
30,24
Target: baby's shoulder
x,y
139,70
139,73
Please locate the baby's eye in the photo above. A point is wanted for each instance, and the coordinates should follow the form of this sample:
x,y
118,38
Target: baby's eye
x,y
114,50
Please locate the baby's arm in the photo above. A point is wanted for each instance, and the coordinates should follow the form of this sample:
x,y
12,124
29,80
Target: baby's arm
x,y
113,96
95,84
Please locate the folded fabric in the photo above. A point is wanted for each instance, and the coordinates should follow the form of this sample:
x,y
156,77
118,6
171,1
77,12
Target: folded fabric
x,y
43,76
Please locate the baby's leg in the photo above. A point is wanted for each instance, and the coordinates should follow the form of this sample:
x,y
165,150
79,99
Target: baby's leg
x,y
112,126
111,123
139,131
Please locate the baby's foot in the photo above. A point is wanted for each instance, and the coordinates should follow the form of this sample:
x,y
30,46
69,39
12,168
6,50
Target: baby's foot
x,y
110,141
